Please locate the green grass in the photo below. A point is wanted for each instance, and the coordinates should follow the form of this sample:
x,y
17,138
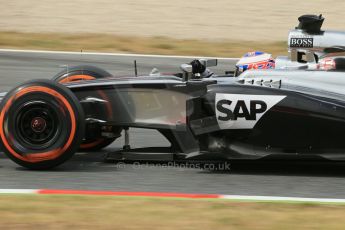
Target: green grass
x,y
127,44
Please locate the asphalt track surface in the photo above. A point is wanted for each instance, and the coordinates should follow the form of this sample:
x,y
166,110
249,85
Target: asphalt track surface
x,y
89,171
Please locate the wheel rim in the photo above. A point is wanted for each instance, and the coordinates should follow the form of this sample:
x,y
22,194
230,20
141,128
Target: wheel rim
x,y
37,124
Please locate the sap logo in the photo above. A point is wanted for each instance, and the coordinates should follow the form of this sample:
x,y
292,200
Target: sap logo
x,y
239,111
302,42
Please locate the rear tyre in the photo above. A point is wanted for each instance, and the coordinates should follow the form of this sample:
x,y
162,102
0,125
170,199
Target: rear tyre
x,y
84,73
80,73
41,124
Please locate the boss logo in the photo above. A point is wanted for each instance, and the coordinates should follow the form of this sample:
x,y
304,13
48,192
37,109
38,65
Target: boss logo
x,y
302,42
239,111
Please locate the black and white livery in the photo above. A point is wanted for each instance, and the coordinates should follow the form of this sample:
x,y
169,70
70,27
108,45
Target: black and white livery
x,y
283,112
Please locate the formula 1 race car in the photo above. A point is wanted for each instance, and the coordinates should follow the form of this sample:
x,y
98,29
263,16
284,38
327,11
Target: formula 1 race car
x,y
258,114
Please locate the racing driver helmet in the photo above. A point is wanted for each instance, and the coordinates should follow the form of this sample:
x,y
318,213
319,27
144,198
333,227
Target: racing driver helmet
x,y
254,60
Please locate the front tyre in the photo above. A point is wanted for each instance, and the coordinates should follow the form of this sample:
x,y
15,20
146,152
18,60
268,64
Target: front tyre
x,y
41,124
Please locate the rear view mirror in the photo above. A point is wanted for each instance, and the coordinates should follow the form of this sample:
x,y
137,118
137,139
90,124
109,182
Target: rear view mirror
x,y
209,62
187,68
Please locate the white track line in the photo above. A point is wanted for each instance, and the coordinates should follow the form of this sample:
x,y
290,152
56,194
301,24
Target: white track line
x,y
19,191
110,54
283,199
171,195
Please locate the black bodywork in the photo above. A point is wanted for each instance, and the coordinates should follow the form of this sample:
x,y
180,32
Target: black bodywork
x,y
304,121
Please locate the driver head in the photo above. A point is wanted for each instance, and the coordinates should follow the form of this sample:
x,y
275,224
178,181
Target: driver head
x,y
254,60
